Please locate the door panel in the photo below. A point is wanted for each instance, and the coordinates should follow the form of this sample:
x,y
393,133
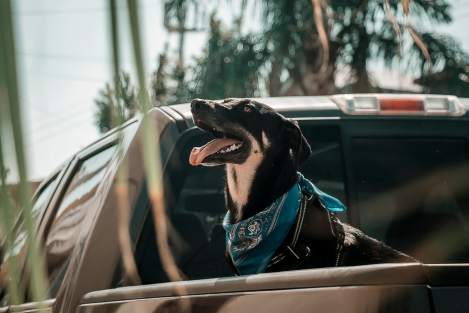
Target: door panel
x,y
371,288
331,299
450,299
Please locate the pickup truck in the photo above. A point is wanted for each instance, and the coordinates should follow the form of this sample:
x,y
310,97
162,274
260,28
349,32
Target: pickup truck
x,y
399,162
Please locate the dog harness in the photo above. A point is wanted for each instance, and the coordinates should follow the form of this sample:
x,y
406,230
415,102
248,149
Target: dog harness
x,y
253,243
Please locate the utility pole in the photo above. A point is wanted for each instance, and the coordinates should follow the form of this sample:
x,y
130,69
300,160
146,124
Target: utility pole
x,y
180,14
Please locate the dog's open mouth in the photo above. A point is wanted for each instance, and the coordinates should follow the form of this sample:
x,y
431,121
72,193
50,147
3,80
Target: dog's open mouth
x,y
216,151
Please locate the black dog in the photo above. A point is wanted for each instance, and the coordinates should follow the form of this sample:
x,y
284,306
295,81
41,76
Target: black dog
x,y
262,152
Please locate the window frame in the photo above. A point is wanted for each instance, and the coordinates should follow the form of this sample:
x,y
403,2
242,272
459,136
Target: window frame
x,y
77,282
56,175
95,147
66,176
79,159
73,168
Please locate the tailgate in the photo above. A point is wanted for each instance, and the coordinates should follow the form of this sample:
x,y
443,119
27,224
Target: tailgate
x,y
449,287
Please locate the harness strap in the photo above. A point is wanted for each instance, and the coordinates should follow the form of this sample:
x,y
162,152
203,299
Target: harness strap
x,y
340,235
296,250
291,253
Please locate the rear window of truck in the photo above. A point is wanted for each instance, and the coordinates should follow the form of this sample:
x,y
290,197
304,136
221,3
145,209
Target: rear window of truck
x,y
196,207
413,194
408,192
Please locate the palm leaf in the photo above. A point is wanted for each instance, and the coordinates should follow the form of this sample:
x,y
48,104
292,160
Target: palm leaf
x,y
35,260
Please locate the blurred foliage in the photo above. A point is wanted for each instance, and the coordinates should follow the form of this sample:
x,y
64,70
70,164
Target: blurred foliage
x,y
115,106
230,66
285,56
12,125
159,86
451,67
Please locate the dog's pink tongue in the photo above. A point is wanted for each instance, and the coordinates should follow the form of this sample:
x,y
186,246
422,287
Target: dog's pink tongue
x,y
198,154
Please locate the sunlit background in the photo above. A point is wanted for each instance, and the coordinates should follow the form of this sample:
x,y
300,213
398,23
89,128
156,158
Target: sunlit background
x,y
64,60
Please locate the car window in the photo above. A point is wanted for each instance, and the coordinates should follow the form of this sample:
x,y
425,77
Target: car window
x,y
325,166
76,201
196,207
40,203
43,197
412,194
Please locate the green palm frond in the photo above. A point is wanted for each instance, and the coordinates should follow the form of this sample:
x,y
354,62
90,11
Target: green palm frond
x,y
11,107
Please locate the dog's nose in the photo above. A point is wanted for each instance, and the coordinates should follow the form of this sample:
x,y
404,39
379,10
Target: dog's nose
x,y
197,104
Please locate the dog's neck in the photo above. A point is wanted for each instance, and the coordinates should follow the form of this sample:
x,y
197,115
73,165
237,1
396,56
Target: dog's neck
x,y
240,178
255,184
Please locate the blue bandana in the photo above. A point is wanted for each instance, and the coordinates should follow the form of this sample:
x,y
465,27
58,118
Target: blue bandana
x,y
252,242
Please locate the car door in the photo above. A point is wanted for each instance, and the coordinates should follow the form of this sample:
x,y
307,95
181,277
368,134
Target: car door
x,y
375,288
41,199
95,261
68,218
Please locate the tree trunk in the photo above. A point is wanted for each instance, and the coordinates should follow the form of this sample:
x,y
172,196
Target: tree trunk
x,y
309,76
274,82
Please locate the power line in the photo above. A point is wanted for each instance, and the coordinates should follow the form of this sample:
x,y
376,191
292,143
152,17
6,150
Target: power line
x,y
59,128
60,11
87,79
68,57
63,118
56,132
43,139
74,58
59,118
56,127
77,10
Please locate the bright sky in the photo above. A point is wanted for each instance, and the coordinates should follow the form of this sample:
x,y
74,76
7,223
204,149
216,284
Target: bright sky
x,y
64,59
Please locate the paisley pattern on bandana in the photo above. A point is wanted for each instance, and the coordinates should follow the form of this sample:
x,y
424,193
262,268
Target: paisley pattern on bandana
x,y
252,242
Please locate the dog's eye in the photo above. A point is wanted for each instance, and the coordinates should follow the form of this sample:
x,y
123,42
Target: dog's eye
x,y
249,107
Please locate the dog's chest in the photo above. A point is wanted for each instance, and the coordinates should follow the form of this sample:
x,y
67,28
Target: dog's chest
x,y
239,180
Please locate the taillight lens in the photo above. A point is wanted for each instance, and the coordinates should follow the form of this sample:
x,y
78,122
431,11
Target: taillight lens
x,y
390,104
401,105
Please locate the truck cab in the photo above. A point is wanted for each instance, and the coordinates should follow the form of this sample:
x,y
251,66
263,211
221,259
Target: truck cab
x,y
399,162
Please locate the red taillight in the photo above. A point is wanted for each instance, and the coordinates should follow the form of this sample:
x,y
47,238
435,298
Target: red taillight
x,y
392,104
401,105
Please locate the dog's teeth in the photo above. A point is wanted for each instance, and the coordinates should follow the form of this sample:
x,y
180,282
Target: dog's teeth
x,y
233,147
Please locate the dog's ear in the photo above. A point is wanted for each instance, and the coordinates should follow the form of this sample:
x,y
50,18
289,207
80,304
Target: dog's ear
x,y
300,147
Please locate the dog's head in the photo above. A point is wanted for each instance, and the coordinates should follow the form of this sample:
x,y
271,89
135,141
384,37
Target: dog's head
x,y
243,127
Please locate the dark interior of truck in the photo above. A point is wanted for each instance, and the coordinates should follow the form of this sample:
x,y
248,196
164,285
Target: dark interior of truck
x,y
407,192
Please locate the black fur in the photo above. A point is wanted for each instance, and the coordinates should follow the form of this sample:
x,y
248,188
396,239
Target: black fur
x,y
277,173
